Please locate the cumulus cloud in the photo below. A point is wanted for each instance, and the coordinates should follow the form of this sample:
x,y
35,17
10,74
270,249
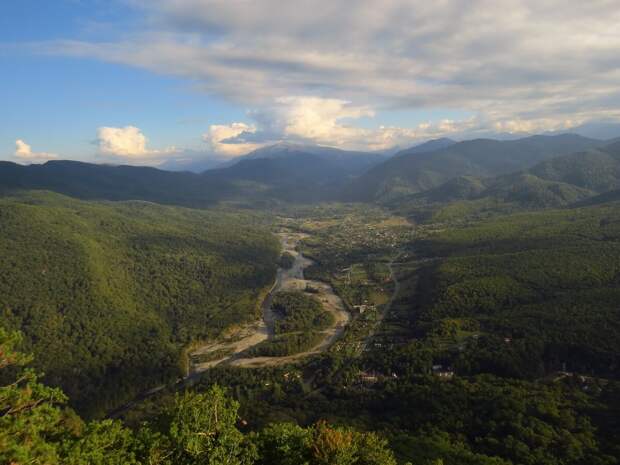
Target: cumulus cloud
x,y
128,144
226,140
330,122
514,64
23,153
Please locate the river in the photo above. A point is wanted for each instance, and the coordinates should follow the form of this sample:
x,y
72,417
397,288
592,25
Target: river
x,y
235,346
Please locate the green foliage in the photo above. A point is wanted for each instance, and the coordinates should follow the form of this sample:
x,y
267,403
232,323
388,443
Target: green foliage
x,y
203,430
299,312
102,443
107,295
289,444
301,317
287,344
542,286
285,444
286,260
199,429
34,427
439,449
28,415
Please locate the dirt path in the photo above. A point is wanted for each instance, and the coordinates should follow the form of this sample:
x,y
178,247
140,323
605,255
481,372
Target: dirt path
x,y
242,340
388,306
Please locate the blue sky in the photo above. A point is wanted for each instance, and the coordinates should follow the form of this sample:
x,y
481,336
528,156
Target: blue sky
x,y
57,103
144,81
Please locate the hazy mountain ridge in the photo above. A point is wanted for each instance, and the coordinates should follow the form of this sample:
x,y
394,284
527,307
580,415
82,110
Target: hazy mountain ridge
x,y
410,173
354,162
284,172
454,171
559,182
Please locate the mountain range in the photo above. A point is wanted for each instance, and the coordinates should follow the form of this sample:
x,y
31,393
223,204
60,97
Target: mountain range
x,y
545,170
415,170
582,178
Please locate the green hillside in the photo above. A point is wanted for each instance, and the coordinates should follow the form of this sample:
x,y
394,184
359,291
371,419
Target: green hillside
x,y
547,281
410,173
559,182
300,174
597,170
108,294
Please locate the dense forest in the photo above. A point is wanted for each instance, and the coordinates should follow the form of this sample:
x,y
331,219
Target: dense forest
x,y
108,294
539,291
299,312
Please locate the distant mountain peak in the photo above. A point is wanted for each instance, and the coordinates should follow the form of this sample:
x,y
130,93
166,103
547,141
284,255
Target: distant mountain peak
x,y
428,146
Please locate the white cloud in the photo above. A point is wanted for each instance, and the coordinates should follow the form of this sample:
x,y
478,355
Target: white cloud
x,y
218,134
321,121
24,153
515,64
128,144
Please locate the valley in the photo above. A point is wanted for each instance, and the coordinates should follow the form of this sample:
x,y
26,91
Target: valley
x,y
310,232
439,319
242,340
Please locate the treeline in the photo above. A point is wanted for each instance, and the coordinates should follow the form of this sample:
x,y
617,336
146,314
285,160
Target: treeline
x,y
286,260
108,294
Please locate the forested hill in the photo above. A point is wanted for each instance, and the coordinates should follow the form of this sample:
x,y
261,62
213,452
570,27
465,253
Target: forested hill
x,y
559,182
541,290
107,294
290,173
349,162
103,182
409,173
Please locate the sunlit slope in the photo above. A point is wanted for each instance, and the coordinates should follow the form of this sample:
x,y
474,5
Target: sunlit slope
x,y
108,294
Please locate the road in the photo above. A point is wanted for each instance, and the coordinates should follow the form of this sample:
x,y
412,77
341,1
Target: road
x,y
388,306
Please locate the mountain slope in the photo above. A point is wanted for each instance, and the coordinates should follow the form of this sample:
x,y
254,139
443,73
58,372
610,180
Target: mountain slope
x,y
597,170
107,295
90,181
350,162
559,182
301,177
416,172
278,172
547,280
430,146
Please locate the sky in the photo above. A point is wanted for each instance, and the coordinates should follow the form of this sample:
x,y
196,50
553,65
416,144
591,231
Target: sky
x,y
147,81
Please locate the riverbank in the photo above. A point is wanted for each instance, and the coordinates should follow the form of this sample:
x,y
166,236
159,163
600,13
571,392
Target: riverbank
x,y
240,341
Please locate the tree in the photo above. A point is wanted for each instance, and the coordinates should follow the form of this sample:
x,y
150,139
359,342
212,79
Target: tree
x,y
35,428
203,430
29,417
284,444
